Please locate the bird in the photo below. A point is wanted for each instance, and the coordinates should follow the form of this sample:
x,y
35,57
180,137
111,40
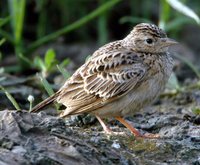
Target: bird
x,y
119,79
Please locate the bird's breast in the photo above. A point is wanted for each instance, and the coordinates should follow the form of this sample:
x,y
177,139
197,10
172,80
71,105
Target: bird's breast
x,y
149,89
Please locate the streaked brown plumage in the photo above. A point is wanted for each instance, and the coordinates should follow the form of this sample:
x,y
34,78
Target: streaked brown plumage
x,y
120,78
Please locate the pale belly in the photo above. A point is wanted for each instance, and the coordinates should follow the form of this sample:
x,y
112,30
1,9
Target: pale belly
x,y
136,99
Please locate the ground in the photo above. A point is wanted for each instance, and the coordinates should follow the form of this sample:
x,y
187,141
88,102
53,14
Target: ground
x,y
43,139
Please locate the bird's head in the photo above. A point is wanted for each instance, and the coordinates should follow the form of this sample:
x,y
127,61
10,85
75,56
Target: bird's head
x,y
149,38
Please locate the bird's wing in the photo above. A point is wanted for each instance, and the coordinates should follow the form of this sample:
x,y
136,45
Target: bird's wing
x,y
113,74
107,77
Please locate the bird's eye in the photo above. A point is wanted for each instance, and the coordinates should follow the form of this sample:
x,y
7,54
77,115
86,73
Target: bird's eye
x,y
149,40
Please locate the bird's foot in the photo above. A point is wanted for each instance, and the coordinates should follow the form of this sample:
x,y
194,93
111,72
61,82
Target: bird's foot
x,y
135,132
148,136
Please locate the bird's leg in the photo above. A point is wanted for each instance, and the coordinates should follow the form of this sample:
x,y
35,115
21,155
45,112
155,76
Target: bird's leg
x,y
135,132
130,127
105,128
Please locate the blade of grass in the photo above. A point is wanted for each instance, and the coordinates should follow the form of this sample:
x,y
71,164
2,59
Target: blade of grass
x,y
46,85
102,26
65,74
11,98
164,13
2,41
42,18
17,13
182,8
106,6
48,88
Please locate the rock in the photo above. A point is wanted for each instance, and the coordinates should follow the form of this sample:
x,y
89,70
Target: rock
x,y
7,157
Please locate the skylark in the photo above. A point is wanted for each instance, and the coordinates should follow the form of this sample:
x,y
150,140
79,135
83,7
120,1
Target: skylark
x,y
119,78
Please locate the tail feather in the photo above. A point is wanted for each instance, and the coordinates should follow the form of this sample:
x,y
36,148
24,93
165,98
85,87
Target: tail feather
x,y
44,103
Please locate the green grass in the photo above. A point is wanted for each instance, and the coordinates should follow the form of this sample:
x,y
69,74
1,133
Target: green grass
x,y
11,98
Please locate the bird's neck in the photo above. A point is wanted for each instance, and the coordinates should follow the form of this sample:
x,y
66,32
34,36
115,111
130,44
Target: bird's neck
x,y
128,41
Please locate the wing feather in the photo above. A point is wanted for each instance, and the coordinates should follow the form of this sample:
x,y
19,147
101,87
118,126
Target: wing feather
x,y
101,80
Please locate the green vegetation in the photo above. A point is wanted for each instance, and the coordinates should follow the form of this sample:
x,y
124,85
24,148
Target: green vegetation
x,y
11,98
17,14
14,24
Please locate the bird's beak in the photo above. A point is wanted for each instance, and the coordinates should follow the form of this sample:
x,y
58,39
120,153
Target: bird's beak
x,y
168,41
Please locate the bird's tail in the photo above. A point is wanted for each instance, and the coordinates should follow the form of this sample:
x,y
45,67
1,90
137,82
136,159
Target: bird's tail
x,y
44,103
